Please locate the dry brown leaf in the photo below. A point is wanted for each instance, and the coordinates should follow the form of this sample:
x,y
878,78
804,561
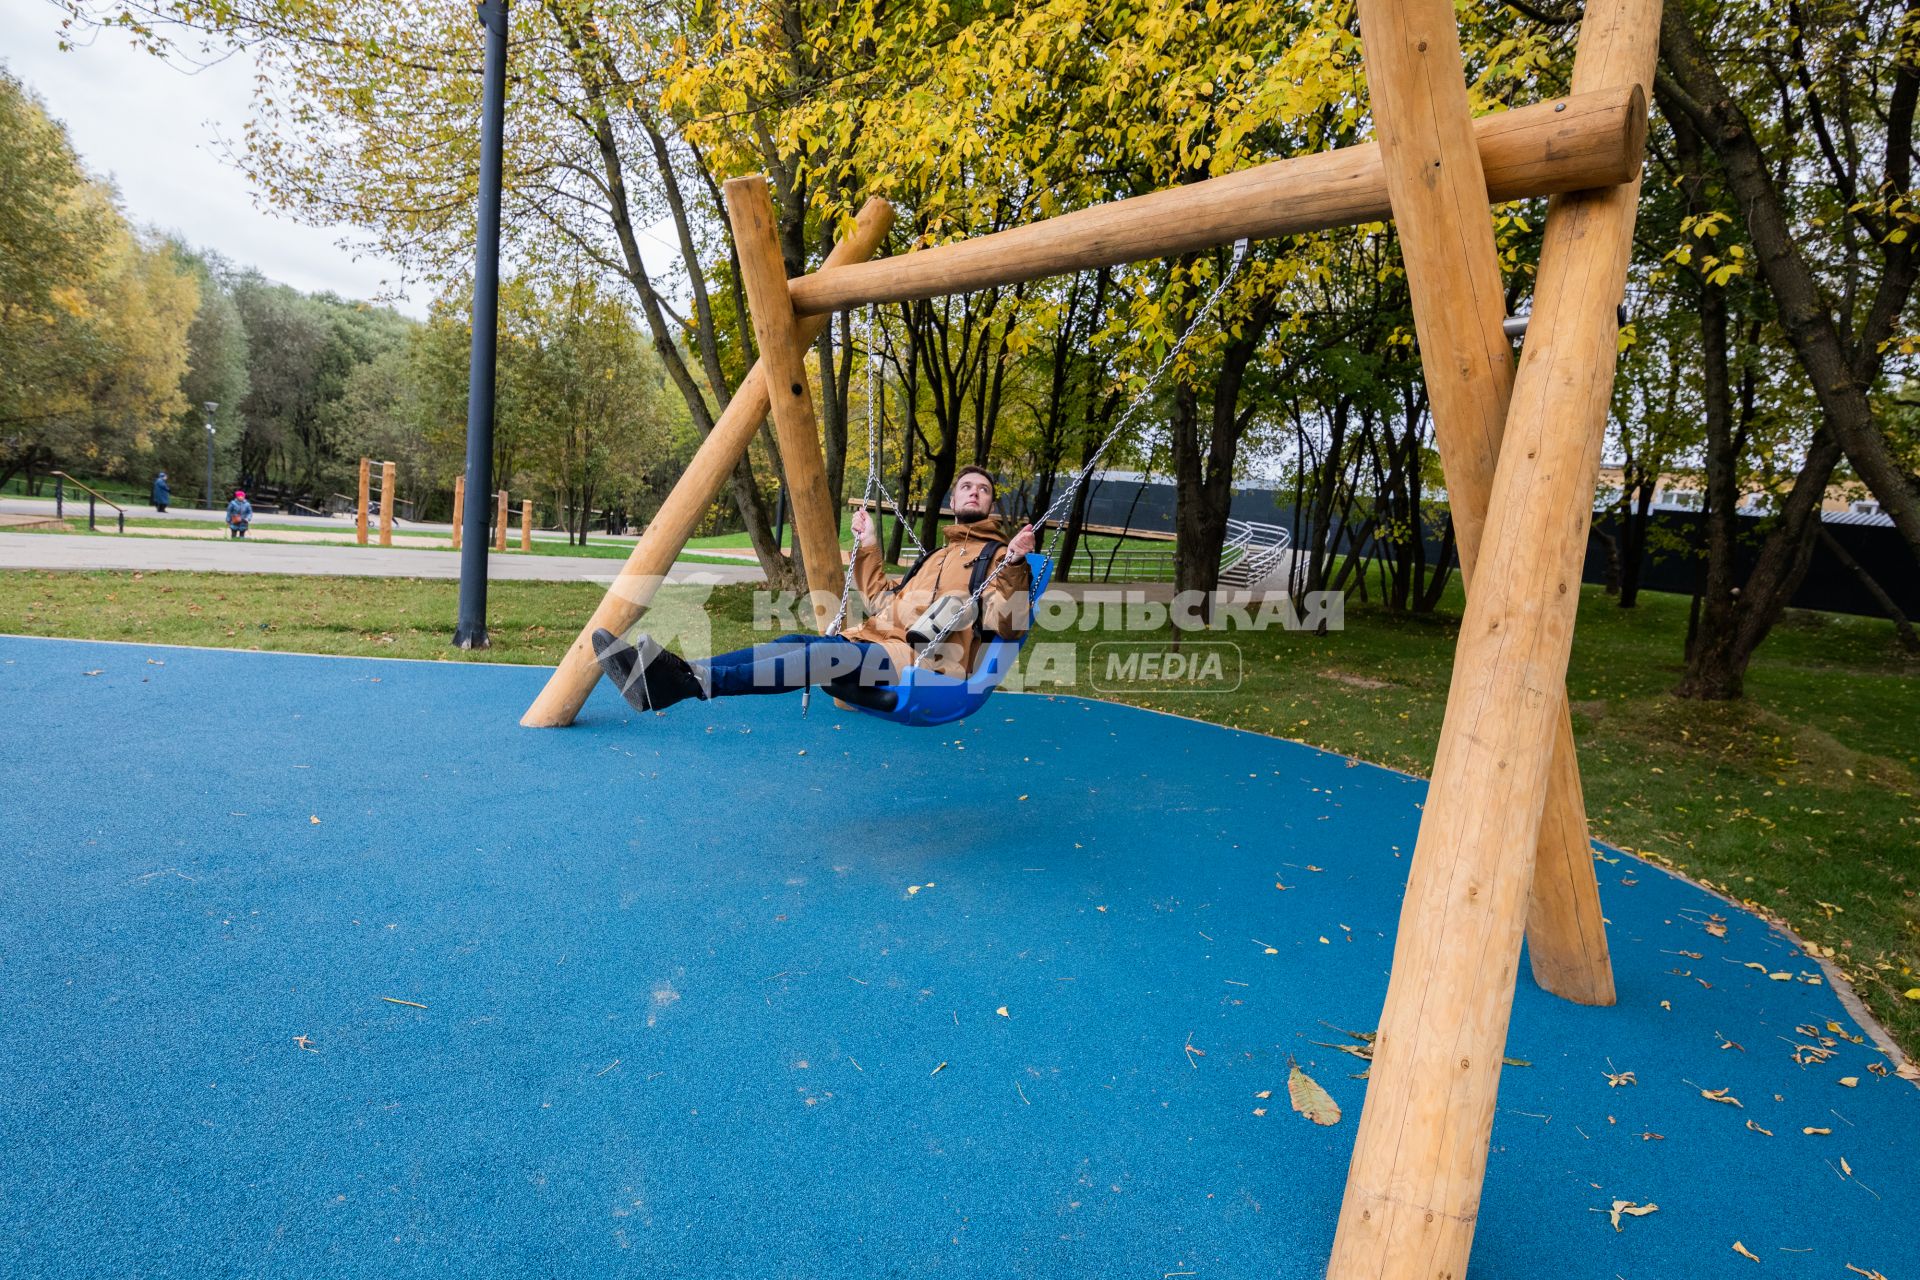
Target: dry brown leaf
x,y
1870,1275
1717,929
1849,1082
1721,1095
1264,1093
1631,1210
1743,1251
1002,1011
1812,1129
1757,1129
1309,1099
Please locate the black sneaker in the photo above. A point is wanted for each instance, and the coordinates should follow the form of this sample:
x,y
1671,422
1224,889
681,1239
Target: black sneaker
x,y
649,677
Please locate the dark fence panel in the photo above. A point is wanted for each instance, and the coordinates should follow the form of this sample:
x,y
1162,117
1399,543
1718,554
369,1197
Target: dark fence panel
x,y
1674,559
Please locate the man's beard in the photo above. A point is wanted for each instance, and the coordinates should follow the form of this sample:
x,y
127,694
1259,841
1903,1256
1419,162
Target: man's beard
x,y
971,517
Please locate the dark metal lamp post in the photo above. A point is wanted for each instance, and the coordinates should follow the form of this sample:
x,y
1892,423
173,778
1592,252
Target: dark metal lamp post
x,y
210,406
471,630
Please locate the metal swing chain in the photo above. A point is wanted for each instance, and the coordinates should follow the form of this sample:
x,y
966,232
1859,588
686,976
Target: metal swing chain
x,y
875,486
1065,500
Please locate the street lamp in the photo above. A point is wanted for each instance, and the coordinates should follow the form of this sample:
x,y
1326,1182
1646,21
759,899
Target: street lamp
x,y
210,406
470,630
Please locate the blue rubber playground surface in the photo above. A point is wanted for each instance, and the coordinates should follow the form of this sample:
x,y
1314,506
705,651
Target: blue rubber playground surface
x,y
325,968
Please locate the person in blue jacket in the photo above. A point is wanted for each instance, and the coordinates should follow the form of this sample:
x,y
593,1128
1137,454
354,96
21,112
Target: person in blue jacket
x,y
162,495
239,514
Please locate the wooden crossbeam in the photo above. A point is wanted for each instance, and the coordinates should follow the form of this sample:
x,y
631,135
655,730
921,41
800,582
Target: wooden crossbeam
x,y
1570,144
784,355
1418,92
1420,1153
667,533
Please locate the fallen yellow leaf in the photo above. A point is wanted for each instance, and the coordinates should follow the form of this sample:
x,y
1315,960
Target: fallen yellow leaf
x,y
1849,1082
1631,1210
314,818
1002,1011
1743,1251
1309,1099
1811,1129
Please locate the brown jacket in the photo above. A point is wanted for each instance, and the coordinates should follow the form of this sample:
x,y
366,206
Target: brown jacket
x,y
948,571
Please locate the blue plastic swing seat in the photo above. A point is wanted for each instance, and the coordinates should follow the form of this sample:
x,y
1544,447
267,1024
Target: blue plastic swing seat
x,y
925,698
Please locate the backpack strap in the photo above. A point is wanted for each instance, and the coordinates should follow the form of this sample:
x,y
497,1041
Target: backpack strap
x,y
908,576
982,568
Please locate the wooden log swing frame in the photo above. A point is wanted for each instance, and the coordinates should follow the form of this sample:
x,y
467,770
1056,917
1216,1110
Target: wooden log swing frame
x,y
1503,847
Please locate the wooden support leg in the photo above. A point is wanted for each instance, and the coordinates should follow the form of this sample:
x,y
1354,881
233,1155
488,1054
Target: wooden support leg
x,y
784,356
1413,1191
387,470
500,521
567,688
360,516
1438,192
459,507
526,524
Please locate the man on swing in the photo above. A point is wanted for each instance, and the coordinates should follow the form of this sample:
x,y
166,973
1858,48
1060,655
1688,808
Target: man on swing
x,y
879,649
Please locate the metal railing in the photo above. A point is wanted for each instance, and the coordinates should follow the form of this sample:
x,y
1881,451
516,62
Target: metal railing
x,y
61,479
1253,551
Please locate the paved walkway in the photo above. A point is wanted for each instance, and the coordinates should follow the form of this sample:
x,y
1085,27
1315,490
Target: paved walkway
x,y
52,551
335,526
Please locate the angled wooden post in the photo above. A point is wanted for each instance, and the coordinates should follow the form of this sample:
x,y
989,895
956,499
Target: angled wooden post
x,y
1413,1189
459,507
1418,90
387,470
360,510
784,355
667,533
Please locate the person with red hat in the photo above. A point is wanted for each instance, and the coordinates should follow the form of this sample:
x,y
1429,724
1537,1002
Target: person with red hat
x,y
239,514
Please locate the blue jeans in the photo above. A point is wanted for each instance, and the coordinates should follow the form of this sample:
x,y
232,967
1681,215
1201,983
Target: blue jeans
x,y
793,662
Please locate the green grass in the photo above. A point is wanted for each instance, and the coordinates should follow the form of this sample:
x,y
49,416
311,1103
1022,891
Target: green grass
x,y
1800,800
343,537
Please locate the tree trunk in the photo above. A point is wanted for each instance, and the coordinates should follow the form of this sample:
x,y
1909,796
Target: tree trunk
x,y
1841,377
1902,627
1734,620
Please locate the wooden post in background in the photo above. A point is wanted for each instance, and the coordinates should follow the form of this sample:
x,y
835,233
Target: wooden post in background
x,y
387,470
360,511
567,688
500,522
526,524
1420,1154
459,507
775,328
1418,92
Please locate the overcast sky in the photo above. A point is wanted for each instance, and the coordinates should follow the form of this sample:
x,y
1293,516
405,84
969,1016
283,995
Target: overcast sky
x,y
156,132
